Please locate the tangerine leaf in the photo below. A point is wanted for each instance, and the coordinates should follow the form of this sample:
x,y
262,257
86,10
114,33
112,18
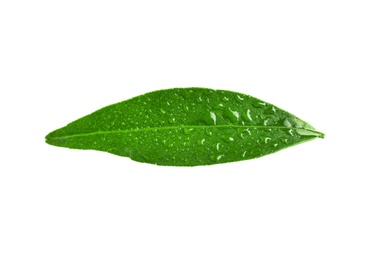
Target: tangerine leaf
x,y
186,127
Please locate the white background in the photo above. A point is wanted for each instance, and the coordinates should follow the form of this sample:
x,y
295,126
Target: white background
x,y
61,60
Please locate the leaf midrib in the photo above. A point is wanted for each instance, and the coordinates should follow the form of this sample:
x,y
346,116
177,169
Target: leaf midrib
x,y
318,134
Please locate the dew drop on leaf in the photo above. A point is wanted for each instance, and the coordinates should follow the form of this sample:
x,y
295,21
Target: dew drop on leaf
x,y
239,98
235,114
213,116
188,130
208,131
248,115
219,157
287,123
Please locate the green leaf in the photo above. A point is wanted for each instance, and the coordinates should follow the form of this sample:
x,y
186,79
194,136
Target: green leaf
x,y
186,127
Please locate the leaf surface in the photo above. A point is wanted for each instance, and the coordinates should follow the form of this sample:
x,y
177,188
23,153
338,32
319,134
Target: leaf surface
x,y
186,127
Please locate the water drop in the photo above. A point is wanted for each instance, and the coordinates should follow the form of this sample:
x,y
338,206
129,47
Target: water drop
x,y
248,131
307,132
235,113
218,146
202,142
248,115
244,153
213,116
240,98
299,123
287,123
219,157
267,139
188,130
258,104
230,115
231,139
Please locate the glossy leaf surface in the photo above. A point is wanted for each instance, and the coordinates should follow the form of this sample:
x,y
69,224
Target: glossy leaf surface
x,y
186,127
